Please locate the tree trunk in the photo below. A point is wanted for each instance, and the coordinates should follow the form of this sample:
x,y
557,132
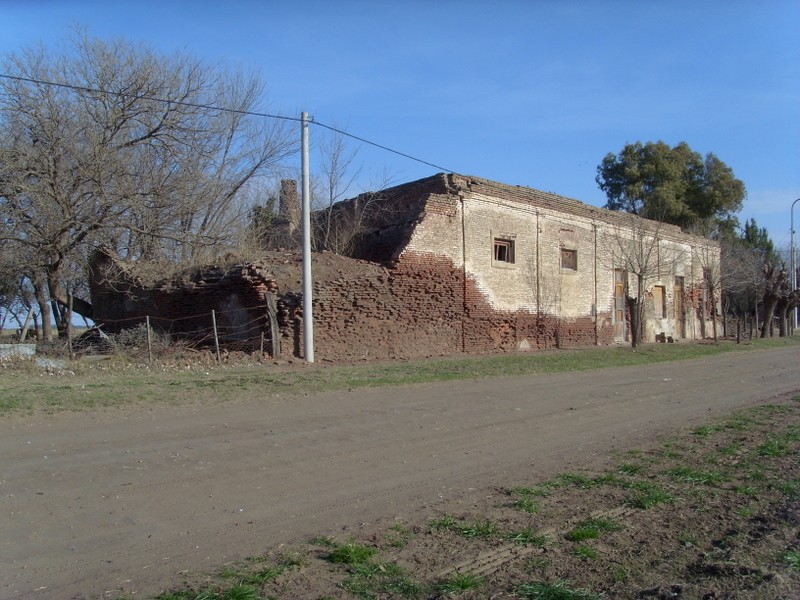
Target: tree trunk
x,y
58,318
714,315
781,311
725,308
67,301
633,308
44,310
755,316
769,311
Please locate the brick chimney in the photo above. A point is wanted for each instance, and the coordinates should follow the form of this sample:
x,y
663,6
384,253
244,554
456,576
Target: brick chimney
x,y
289,205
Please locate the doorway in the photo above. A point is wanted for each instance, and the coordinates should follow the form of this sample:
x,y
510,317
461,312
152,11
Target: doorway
x,y
620,287
679,313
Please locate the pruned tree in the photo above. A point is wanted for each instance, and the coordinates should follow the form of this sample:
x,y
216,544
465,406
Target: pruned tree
x,y
111,143
707,256
744,259
779,298
743,280
633,244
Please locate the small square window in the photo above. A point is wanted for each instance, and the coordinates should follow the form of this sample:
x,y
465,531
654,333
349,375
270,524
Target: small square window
x,y
569,259
504,250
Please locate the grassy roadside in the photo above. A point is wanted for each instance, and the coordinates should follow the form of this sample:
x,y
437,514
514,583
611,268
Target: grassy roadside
x,y
709,513
26,389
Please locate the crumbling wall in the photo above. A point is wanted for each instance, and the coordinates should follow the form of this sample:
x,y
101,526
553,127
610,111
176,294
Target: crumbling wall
x,y
423,306
410,310
433,285
182,306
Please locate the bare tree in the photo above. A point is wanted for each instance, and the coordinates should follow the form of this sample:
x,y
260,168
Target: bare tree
x,y
708,257
340,225
8,293
779,298
632,244
127,150
743,278
339,174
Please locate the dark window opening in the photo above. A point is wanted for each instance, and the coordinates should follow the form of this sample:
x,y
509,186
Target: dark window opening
x,y
504,251
569,259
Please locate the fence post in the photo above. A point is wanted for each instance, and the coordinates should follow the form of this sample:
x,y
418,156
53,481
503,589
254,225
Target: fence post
x,y
24,332
149,345
272,316
216,336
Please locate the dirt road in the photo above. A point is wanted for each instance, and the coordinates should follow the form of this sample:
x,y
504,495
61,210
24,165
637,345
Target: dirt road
x,y
128,499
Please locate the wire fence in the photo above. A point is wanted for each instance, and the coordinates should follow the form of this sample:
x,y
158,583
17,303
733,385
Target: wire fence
x,y
241,329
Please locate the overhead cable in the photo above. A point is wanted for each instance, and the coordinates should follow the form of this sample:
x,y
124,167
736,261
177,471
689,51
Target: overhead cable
x,y
81,88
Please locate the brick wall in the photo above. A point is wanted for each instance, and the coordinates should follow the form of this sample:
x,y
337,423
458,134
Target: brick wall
x,y
436,283
182,306
422,307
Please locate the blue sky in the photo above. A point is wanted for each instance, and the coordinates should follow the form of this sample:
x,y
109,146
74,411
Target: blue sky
x,y
531,93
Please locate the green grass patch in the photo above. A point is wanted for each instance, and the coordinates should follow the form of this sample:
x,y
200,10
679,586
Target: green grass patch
x,y
591,529
542,490
790,489
706,430
731,449
528,537
351,553
556,590
236,592
324,541
459,582
261,576
746,490
370,579
792,434
579,534
792,558
746,511
477,529
525,500
398,536
774,448
585,552
444,522
646,495
631,469
526,504
693,476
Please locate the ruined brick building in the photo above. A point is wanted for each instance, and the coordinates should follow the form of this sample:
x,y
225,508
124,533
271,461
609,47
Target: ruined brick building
x,y
444,265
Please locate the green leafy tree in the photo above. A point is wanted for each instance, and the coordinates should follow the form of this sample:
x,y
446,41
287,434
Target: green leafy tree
x,y
672,184
758,239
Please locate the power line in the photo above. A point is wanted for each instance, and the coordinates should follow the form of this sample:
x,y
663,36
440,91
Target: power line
x,y
382,147
511,191
80,88
507,189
